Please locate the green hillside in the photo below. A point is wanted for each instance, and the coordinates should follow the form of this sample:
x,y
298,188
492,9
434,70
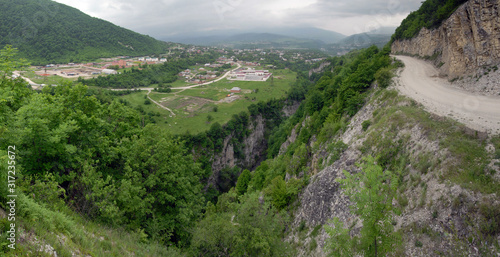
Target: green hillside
x,y
429,15
48,32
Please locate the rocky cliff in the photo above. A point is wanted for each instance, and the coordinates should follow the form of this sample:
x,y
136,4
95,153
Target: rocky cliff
x,y
254,147
466,42
440,215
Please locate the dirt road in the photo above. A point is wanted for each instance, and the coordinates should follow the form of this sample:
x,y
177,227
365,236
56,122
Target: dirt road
x,y
420,81
212,81
33,84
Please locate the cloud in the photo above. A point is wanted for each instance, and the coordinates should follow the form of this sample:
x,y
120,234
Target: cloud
x,y
163,18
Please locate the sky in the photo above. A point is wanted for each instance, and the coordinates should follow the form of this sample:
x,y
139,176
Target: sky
x,y
165,18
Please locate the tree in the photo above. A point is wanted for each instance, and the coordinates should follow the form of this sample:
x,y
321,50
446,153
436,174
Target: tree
x,y
8,61
160,184
248,228
384,77
314,102
372,191
210,118
243,181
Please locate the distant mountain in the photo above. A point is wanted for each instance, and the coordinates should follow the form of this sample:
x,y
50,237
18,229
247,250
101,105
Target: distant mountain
x,y
326,36
268,40
316,37
361,40
254,40
48,32
366,40
383,30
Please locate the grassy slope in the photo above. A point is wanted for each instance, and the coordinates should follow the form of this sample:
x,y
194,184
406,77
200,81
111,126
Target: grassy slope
x,y
42,231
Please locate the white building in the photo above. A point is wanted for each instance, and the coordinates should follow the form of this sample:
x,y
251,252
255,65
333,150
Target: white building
x,y
109,71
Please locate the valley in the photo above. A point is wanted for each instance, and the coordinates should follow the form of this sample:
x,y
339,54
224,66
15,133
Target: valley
x,y
258,131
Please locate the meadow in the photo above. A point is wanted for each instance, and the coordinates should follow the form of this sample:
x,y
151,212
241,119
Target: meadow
x,y
198,108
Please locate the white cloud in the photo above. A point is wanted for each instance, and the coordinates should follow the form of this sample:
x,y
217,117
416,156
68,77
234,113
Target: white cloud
x,y
160,18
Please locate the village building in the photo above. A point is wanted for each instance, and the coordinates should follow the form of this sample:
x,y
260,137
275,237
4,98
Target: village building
x,y
250,75
109,71
235,90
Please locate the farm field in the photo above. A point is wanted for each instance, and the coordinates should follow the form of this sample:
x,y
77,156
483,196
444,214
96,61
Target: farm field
x,y
48,80
198,108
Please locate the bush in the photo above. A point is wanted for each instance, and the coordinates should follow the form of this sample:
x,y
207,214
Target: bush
x,y
366,124
147,102
384,77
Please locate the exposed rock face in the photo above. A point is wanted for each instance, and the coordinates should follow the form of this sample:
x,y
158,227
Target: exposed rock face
x,y
319,69
464,43
254,146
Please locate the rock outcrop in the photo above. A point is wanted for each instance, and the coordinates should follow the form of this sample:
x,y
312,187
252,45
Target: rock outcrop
x,y
254,147
466,42
319,69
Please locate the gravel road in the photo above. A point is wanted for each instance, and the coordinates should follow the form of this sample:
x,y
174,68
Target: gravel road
x,y
420,81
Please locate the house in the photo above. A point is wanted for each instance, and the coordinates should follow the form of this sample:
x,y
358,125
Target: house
x,y
109,71
235,90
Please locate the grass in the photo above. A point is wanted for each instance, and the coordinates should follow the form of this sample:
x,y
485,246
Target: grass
x,y
68,233
192,110
49,80
214,94
468,160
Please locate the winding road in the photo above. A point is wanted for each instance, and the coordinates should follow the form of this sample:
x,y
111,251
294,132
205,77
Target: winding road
x,y
33,84
420,80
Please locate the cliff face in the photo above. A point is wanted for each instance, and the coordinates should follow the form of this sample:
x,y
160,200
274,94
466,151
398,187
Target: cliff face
x,y
439,213
254,147
464,43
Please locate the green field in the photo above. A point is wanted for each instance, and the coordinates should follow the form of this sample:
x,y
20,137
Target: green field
x,y
48,80
193,106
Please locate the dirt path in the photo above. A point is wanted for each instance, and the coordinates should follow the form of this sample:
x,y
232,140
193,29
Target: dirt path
x,y
420,81
33,84
149,92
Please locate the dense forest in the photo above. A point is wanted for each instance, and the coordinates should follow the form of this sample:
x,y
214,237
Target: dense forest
x,y
45,32
83,151
430,15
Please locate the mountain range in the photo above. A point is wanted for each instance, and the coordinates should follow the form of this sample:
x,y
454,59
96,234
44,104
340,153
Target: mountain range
x,y
305,37
45,32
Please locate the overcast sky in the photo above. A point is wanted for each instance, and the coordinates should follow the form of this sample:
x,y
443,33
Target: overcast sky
x,y
164,18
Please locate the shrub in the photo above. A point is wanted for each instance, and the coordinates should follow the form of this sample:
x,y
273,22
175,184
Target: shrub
x,y
366,124
384,77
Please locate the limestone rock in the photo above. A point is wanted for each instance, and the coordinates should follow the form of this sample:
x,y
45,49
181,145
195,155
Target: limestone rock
x,y
464,43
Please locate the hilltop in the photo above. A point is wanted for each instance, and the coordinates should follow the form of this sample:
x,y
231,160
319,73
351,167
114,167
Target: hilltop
x,y
48,32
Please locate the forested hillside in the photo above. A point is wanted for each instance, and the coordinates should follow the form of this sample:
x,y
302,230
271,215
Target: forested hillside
x,y
48,32
79,151
429,15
